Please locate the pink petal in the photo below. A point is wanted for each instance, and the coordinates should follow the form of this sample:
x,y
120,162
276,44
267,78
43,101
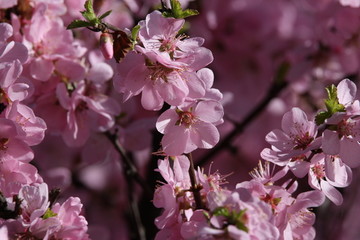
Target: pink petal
x,y
299,168
150,98
175,141
18,91
9,73
346,91
167,118
100,73
204,135
337,173
330,142
271,156
295,122
71,69
350,152
279,139
332,193
195,85
207,76
174,90
6,31
41,69
209,111
13,51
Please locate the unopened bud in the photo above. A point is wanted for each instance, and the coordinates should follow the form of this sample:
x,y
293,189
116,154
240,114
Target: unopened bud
x,y
106,45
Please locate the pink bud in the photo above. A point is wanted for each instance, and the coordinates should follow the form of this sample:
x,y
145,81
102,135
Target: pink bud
x,y
106,45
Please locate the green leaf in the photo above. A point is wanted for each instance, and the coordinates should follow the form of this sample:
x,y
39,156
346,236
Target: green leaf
x,y
79,24
49,214
176,7
189,13
105,15
332,106
89,13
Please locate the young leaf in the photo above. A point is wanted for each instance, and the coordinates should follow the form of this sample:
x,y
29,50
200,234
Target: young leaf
x,y
105,14
79,24
332,106
89,13
189,13
176,11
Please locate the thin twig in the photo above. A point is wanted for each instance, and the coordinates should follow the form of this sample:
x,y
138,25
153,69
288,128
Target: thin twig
x,y
131,175
129,167
274,91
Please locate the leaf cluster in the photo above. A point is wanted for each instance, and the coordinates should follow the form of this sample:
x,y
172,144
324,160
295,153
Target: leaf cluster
x,y
176,10
332,106
91,19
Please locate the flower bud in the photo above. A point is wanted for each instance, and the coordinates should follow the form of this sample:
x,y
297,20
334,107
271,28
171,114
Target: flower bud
x,y
106,45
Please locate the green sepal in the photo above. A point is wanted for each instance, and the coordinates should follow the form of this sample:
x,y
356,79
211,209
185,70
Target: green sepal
x,y
134,32
237,218
332,106
79,24
221,211
49,214
134,35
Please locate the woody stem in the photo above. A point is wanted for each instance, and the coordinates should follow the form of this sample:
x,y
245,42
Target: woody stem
x,y
195,188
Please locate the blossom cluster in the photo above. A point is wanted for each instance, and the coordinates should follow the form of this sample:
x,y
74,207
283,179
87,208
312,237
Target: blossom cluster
x,y
26,211
71,117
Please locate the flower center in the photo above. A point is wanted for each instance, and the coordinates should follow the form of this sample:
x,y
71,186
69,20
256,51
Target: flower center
x,y
158,71
302,142
345,128
186,118
318,170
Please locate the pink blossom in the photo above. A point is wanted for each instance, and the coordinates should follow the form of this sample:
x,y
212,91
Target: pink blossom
x,y
298,220
156,82
73,225
172,196
190,128
47,41
296,138
158,36
168,72
87,110
12,147
329,172
343,136
34,202
10,51
31,128
15,174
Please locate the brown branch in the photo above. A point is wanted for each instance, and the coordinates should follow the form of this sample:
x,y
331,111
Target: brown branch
x,y
195,188
273,92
